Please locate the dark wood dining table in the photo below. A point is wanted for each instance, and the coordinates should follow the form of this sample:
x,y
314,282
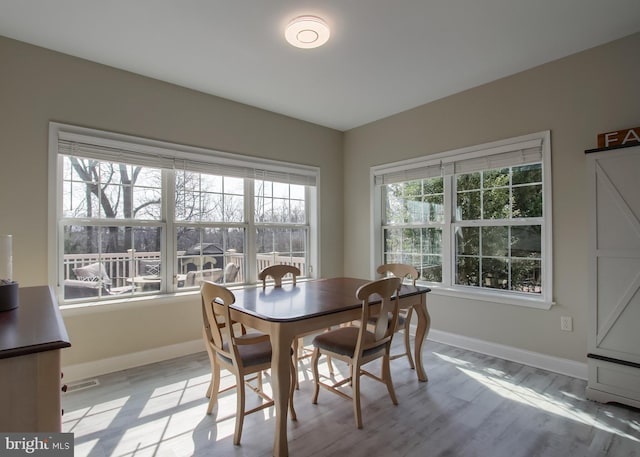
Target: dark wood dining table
x,y
287,311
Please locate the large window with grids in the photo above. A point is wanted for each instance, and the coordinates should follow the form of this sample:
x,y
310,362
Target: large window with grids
x,y
475,222
135,217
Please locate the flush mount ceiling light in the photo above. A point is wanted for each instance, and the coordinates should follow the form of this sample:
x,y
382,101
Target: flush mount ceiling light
x,y
307,32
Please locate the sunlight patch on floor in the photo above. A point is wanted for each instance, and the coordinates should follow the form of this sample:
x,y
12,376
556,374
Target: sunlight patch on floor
x,y
530,397
142,436
86,420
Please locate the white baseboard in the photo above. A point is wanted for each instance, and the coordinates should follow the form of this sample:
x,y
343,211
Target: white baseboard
x,y
567,367
534,359
88,370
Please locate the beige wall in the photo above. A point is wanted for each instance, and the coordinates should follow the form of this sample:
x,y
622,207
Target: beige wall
x,y
575,98
38,86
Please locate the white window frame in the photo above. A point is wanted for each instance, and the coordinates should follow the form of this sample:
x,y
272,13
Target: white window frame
x,y
170,155
443,164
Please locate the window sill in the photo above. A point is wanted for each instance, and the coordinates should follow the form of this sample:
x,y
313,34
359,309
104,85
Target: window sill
x,y
492,297
118,304
88,307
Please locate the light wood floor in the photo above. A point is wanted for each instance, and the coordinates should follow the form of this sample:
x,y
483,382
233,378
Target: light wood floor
x,y
473,405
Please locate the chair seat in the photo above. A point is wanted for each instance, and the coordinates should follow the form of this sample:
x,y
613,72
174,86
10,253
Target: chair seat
x,y
343,341
251,354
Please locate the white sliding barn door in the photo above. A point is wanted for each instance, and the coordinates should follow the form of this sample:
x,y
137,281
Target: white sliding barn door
x,y
614,283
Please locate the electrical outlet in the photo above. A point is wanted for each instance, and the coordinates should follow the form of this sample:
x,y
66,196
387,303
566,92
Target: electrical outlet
x,y
566,323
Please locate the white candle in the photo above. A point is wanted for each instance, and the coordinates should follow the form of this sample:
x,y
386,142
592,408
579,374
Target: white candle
x,y
6,258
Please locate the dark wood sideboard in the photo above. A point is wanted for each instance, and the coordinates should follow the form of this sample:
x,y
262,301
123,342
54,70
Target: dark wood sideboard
x,y
31,339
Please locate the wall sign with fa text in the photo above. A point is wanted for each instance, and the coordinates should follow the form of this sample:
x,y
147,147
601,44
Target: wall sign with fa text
x,y
625,137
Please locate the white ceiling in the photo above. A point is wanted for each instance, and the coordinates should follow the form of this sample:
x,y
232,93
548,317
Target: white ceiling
x,y
384,56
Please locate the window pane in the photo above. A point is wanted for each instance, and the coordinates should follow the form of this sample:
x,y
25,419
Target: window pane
x,y
526,276
111,261
148,262
210,183
79,201
496,178
94,189
297,192
146,203
233,208
468,206
527,174
509,259
281,245
394,205
467,241
414,209
280,190
411,241
435,208
279,203
495,273
467,271
526,241
431,241
468,181
233,186
495,241
496,204
392,242
432,186
415,202
298,212
420,247
527,201
210,254
431,268
202,197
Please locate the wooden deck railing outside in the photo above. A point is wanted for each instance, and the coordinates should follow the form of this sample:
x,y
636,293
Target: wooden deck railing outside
x,y
123,265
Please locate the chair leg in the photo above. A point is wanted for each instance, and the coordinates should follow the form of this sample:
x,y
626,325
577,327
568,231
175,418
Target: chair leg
x,y
316,375
294,378
214,387
212,360
240,408
296,358
386,376
355,383
407,342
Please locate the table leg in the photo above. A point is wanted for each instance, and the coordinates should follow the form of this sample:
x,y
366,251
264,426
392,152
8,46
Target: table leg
x,y
424,322
281,343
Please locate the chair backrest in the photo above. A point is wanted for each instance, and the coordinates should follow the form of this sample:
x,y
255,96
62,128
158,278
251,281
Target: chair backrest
x,y
400,270
194,278
231,272
92,272
384,290
277,272
215,314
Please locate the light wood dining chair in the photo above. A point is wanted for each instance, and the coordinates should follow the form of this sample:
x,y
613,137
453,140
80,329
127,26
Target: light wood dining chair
x,y
243,354
402,271
358,346
278,272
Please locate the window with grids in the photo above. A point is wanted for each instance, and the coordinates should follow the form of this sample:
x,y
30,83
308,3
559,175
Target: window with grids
x,y
414,220
280,217
472,219
140,217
